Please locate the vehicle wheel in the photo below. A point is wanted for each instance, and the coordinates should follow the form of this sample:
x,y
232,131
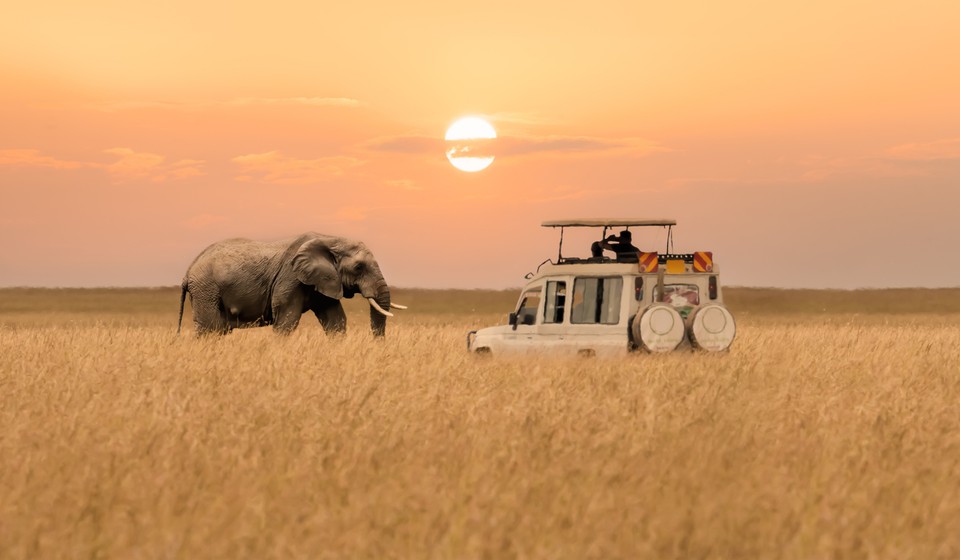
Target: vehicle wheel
x,y
658,328
483,351
713,328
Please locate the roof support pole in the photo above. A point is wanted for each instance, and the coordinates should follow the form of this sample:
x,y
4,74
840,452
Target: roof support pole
x,y
560,250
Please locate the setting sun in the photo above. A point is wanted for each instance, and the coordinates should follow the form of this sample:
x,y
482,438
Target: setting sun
x,y
466,140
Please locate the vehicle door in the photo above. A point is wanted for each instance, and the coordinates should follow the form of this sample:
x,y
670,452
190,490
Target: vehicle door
x,y
554,322
523,335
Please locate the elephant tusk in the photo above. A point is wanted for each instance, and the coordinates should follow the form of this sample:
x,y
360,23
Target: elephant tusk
x,y
397,306
375,305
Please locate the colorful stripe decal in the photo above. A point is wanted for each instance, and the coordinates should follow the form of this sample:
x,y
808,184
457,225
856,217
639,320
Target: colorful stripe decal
x,y
649,262
703,261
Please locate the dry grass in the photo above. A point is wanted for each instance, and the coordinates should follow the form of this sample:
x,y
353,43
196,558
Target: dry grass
x,y
820,435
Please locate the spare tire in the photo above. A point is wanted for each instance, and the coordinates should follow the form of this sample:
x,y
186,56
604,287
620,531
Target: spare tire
x,y
658,328
713,328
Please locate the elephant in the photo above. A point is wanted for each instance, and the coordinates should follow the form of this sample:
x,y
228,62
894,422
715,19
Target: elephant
x,y
241,283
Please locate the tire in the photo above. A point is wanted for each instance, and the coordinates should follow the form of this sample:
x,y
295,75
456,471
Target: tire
x,y
712,328
658,328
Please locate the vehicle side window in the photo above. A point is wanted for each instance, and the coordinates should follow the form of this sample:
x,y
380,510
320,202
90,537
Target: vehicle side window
x,y
683,297
556,302
529,304
596,300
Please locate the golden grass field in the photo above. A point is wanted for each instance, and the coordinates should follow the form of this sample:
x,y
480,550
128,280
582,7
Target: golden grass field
x,y
831,430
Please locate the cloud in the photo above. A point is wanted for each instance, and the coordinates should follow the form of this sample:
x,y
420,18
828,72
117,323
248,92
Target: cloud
x,y
525,145
948,148
476,148
33,158
185,168
144,165
510,146
133,164
130,165
274,167
409,144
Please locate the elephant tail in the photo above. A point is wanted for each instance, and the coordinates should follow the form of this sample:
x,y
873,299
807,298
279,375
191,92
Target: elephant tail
x,y
183,297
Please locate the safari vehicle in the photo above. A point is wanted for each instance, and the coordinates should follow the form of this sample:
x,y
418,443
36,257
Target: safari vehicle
x,y
641,301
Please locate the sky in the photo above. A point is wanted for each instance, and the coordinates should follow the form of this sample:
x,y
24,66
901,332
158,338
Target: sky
x,y
807,144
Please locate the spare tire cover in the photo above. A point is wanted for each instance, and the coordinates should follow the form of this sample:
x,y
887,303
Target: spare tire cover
x,y
713,328
658,328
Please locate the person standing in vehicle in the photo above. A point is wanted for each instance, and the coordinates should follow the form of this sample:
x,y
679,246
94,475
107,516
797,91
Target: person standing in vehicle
x,y
622,245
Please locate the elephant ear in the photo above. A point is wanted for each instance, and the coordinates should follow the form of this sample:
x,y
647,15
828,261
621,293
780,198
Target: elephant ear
x,y
315,265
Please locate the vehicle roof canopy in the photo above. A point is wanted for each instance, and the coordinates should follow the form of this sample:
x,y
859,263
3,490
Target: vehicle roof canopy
x,y
608,222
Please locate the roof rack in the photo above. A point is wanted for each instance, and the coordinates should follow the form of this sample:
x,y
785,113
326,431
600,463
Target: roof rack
x,y
607,223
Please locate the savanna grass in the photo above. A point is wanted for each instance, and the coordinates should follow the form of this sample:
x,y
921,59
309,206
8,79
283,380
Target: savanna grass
x,y
821,434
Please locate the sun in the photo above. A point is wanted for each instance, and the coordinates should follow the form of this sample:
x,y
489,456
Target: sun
x,y
468,144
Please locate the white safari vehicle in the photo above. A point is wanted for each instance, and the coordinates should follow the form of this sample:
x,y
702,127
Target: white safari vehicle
x,y
646,301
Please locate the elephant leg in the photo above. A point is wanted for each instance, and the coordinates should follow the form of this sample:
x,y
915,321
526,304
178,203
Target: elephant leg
x,y
286,315
332,318
209,316
286,320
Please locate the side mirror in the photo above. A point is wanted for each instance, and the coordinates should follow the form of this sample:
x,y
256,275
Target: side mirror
x,y
513,320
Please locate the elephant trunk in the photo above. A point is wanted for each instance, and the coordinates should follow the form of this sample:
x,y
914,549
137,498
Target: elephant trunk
x,y
378,321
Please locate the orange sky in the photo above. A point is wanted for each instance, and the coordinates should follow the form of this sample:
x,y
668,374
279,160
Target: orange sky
x,y
808,146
